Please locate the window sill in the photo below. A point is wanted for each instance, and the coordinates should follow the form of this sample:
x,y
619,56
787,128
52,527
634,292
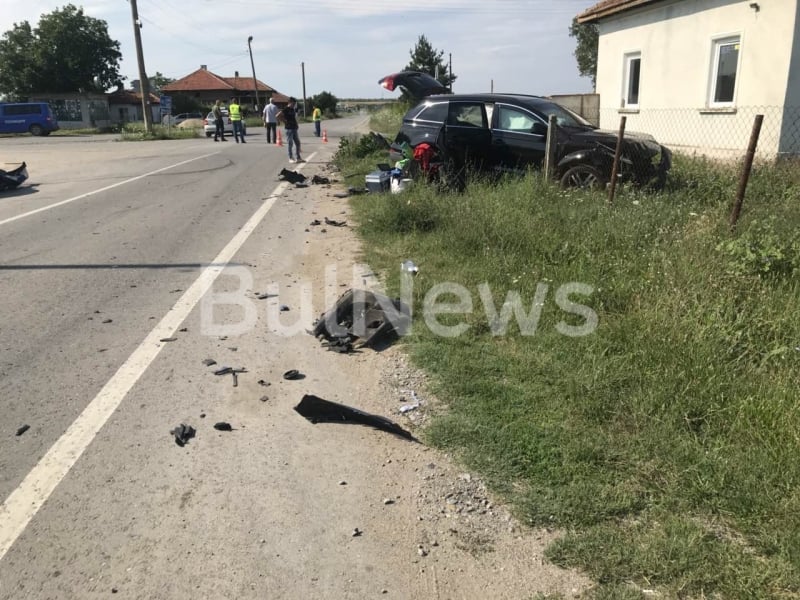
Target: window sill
x,y
722,110
628,111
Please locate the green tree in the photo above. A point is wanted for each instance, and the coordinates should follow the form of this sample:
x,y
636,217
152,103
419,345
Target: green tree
x,y
585,52
325,101
158,81
426,59
67,52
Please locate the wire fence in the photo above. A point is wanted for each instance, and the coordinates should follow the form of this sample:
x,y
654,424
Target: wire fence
x,y
716,133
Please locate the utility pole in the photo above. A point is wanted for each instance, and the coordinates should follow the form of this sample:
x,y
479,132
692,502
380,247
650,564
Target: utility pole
x,y
144,84
451,72
252,64
303,71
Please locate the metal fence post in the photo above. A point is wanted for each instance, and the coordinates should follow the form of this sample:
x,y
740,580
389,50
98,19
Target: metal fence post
x,y
550,148
615,167
746,168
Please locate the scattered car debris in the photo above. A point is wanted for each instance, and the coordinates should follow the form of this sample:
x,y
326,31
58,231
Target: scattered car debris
x,y
408,266
408,408
335,223
388,501
293,374
105,321
232,371
284,308
342,482
319,410
183,329
319,180
291,176
315,222
263,383
266,296
168,339
363,318
341,345
223,426
357,532
264,398
13,178
183,433
342,195
209,362
22,429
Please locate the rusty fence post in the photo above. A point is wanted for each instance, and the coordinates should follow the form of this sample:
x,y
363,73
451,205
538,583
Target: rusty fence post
x,y
617,153
746,168
550,148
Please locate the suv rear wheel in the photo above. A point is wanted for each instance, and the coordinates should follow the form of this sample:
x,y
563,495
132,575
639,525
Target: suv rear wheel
x,y
36,129
583,176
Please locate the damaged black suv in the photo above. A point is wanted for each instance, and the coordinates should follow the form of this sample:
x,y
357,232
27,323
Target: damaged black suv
x,y
508,132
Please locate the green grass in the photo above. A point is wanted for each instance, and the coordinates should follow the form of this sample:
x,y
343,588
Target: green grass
x,y
665,442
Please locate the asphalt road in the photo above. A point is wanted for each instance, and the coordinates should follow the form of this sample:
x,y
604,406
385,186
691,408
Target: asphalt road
x,y
100,255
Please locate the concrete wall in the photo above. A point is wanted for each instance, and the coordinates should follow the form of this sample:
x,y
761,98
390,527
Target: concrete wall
x,y
586,105
676,44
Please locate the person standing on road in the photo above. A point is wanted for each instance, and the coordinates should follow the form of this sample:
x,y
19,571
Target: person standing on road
x,y
235,111
219,126
271,122
288,116
316,116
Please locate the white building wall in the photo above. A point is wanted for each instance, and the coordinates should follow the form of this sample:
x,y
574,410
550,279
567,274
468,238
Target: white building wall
x,y
676,44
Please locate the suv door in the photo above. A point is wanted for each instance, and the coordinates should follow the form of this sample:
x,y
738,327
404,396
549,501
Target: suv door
x,y
466,136
519,138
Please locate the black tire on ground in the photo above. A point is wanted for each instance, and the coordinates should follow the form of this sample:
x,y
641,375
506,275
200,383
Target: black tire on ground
x,y
36,129
584,177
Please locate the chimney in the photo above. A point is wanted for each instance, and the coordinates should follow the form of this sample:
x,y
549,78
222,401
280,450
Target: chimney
x,y
204,67
236,74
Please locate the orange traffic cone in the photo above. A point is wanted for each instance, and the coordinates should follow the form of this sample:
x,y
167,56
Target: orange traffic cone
x,y
324,136
278,140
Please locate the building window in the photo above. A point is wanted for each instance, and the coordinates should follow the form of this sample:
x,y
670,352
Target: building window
x,y
724,67
630,93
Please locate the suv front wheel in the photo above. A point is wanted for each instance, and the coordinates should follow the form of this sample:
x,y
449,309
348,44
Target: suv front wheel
x,y
583,176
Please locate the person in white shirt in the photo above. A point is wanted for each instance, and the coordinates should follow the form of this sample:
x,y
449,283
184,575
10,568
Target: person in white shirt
x,y
271,122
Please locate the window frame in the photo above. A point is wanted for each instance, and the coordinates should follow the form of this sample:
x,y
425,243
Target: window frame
x,y
717,43
628,58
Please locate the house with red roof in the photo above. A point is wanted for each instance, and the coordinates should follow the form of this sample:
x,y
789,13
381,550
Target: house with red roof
x,y
206,87
694,73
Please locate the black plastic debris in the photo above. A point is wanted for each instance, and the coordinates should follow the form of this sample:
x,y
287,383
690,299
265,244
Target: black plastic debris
x,y
320,180
284,308
315,222
183,433
232,371
209,362
291,176
22,429
263,382
13,178
169,339
335,223
223,426
301,185
265,296
319,410
363,319
293,375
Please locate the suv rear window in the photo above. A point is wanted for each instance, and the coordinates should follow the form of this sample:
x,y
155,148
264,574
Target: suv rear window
x,y
437,113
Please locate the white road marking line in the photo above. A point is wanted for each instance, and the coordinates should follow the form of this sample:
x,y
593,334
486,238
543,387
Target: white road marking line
x,y
25,501
103,189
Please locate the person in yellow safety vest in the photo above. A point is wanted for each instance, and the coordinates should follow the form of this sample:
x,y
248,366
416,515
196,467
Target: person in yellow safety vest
x,y
235,112
316,116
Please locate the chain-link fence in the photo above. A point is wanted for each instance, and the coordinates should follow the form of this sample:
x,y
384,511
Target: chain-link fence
x,y
715,133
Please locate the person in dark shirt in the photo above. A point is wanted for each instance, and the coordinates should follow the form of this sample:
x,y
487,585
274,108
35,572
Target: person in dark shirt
x,y
288,116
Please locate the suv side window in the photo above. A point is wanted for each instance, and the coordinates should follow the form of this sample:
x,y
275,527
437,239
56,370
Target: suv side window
x,y
436,113
514,119
467,114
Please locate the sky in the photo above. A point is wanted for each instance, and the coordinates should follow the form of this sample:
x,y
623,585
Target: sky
x,y
346,46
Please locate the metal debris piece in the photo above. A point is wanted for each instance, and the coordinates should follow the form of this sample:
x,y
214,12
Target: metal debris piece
x,y
357,532
284,308
264,398
223,426
23,429
293,374
209,362
319,410
335,223
265,296
107,321
263,383
169,339
183,433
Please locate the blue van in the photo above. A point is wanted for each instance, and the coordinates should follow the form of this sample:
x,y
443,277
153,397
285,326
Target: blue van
x,y
34,117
